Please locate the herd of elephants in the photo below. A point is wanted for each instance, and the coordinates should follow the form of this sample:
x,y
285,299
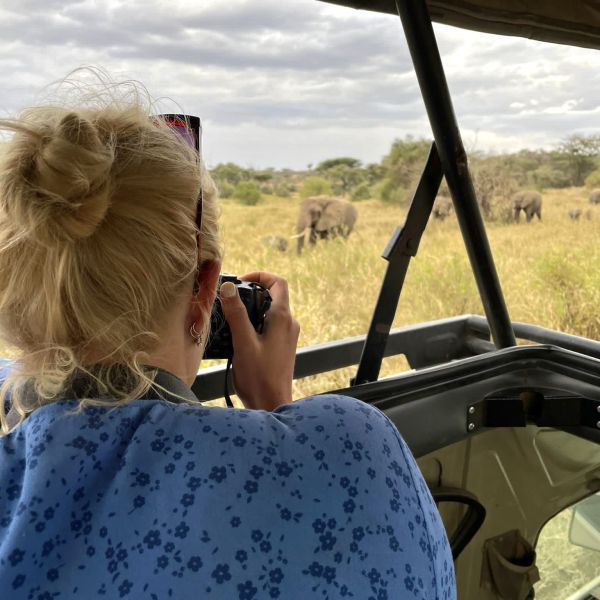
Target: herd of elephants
x,y
326,217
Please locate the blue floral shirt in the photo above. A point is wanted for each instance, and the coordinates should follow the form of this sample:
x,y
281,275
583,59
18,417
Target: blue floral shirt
x,y
155,500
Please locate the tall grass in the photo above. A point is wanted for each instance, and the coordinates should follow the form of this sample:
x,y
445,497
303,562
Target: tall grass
x,y
549,271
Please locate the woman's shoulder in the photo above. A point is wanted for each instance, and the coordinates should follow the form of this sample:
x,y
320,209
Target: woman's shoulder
x,y
336,426
313,415
335,411
326,413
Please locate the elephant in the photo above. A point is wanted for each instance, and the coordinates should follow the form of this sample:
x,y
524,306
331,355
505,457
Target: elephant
x,y
325,217
574,214
529,202
594,196
442,208
275,241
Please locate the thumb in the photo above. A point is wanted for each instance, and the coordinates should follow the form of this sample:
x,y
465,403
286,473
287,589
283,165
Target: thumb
x,y
236,314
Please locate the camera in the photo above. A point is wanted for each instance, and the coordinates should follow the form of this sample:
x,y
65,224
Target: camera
x,y
256,299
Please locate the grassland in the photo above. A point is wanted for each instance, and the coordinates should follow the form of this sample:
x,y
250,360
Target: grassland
x,y
549,271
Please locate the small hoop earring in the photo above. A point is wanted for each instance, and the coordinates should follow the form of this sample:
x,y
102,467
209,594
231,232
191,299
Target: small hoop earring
x,y
196,335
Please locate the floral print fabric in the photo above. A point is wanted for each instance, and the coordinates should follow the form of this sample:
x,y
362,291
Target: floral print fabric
x,y
155,500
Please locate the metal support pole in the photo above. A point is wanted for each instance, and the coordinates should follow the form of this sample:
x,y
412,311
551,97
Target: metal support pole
x,y
402,246
434,88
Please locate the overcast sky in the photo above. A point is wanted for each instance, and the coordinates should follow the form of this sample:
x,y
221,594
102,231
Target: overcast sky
x,y
285,83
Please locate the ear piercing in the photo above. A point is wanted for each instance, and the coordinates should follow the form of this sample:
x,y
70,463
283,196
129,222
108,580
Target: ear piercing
x,y
196,335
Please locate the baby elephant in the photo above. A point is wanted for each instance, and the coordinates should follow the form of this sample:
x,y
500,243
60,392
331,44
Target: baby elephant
x,y
529,202
442,208
574,214
594,196
275,241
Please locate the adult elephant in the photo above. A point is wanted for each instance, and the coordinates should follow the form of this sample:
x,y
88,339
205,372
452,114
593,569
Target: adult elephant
x,y
594,196
324,217
529,202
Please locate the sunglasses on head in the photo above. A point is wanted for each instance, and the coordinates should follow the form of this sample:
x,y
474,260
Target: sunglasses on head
x,y
189,129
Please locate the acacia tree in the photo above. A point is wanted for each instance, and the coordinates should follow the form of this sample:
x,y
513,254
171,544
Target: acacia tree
x,y
344,173
347,161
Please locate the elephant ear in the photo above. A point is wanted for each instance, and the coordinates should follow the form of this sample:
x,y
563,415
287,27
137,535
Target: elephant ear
x,y
332,216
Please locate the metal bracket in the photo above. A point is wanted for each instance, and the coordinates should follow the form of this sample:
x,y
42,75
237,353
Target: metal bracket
x,y
403,245
544,408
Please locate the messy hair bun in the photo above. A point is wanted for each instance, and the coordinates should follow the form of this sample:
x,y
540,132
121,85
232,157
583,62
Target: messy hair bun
x,y
98,240
59,187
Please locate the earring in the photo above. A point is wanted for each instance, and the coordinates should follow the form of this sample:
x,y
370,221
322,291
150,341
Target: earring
x,y
197,335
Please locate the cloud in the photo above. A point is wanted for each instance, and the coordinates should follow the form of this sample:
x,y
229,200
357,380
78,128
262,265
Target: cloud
x,y
300,78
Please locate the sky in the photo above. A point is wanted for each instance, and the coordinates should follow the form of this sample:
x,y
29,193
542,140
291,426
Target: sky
x,y
287,84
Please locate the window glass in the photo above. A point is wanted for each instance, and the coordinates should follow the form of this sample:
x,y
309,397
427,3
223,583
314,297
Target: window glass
x,y
568,554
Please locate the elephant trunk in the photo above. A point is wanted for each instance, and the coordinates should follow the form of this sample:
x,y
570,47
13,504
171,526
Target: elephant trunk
x,y
301,227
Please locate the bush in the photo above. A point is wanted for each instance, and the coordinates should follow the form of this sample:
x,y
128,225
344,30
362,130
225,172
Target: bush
x,y
247,192
230,173
376,190
225,189
548,177
593,179
283,190
266,188
393,193
315,186
361,192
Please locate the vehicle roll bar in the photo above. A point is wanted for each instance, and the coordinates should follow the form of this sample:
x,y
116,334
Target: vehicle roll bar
x,y
434,89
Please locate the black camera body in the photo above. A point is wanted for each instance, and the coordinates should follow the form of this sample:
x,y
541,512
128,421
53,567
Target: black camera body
x,y
256,299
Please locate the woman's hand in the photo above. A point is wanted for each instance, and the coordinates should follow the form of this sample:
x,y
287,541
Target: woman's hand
x,y
263,364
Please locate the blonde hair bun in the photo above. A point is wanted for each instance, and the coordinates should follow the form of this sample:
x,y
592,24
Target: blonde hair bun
x,y
98,241
66,194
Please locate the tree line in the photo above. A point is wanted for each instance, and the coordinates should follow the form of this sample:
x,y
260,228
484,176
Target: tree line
x,y
574,162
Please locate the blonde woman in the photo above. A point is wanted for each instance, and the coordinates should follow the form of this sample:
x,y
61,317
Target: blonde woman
x,y
115,482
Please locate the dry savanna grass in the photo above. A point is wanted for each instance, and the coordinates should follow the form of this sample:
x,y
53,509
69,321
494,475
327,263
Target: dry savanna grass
x,y
549,270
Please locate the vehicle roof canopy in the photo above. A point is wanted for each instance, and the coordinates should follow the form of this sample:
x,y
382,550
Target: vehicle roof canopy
x,y
576,22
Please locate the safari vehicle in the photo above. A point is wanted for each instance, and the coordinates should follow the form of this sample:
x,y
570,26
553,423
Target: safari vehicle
x,y
506,434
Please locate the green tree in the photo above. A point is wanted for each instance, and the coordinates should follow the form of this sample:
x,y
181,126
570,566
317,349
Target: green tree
x,y
549,176
581,154
374,172
325,165
225,188
262,176
593,179
361,192
402,167
345,173
343,178
230,172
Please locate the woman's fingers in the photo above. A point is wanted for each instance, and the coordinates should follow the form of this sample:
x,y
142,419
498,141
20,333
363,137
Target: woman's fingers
x,y
277,286
236,314
263,364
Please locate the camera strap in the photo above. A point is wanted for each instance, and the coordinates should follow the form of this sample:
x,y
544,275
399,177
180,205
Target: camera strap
x,y
226,385
166,386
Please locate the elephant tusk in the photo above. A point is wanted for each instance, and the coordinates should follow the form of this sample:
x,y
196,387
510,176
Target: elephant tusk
x,y
299,235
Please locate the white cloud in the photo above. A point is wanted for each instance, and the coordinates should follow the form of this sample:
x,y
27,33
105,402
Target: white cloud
x,y
290,83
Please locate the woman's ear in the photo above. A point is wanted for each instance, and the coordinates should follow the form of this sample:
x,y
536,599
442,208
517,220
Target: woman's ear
x,y
207,281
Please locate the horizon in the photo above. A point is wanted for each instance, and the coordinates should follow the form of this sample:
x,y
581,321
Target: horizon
x,y
480,154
